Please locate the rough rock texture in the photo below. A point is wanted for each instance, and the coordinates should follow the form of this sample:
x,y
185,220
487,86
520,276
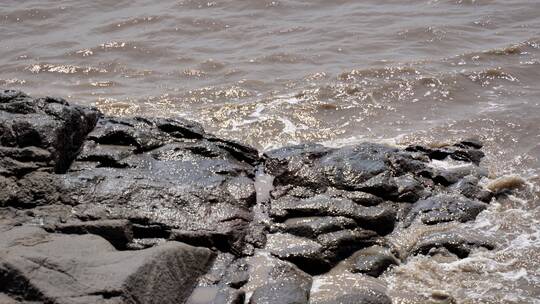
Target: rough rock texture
x,y
98,209
57,268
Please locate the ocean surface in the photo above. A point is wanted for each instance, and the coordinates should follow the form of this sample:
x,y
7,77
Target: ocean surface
x,y
339,72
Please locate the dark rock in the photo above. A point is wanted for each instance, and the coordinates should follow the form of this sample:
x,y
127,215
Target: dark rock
x,y
373,261
297,165
203,238
468,186
265,269
34,189
143,184
224,264
359,197
180,128
311,227
318,166
449,176
279,293
340,288
341,244
349,167
304,253
460,243
152,178
463,152
54,268
444,208
48,123
378,218
230,296
409,189
472,142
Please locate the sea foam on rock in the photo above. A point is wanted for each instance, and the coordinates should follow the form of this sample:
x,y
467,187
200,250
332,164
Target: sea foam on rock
x,y
98,209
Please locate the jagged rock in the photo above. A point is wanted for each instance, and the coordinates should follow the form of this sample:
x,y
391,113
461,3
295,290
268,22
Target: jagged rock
x,y
55,268
409,189
359,197
460,243
143,184
304,253
444,208
373,261
315,225
467,151
319,166
468,186
378,218
194,187
279,293
341,244
48,128
34,189
319,255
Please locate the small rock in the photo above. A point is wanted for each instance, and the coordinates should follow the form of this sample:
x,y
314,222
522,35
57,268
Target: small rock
x,y
373,261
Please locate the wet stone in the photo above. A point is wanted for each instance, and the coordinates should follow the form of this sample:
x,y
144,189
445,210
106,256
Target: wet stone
x,y
444,208
311,227
138,209
279,293
264,268
457,242
373,261
337,288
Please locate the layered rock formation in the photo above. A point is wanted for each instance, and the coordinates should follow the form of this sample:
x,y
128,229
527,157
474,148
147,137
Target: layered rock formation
x,y
98,209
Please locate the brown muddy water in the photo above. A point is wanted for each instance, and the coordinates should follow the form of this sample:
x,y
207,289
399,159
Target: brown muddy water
x,y
271,73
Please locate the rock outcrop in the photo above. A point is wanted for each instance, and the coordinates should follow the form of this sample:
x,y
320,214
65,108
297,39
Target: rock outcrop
x,y
97,209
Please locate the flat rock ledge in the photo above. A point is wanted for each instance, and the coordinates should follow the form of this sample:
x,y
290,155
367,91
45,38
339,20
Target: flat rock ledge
x,y
97,209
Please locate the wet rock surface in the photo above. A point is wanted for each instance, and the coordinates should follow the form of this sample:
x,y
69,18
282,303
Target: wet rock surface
x,y
98,209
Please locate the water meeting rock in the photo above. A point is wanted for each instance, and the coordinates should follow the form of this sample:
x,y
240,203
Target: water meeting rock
x,y
97,209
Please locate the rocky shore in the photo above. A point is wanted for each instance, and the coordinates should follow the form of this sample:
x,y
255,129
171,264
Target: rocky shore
x,y
97,209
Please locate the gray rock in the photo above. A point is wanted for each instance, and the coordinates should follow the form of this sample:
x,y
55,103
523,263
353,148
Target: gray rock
x,y
264,268
55,268
362,298
216,295
318,166
143,184
34,189
458,242
305,253
373,261
118,232
313,226
279,293
468,186
341,288
195,187
378,218
444,208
